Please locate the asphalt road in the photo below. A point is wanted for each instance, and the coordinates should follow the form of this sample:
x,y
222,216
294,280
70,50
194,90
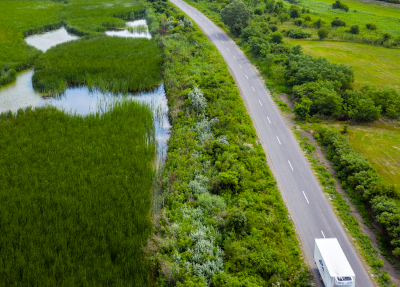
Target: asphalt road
x,y
309,207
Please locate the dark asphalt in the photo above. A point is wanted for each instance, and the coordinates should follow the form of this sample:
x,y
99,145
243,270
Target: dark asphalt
x,y
308,206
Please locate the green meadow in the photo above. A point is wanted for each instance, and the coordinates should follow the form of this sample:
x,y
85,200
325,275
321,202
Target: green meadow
x,y
109,63
372,65
75,197
20,18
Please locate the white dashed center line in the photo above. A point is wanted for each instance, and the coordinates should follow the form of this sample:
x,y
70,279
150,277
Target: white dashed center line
x,y
253,89
234,57
290,165
216,35
268,120
240,66
247,77
307,200
260,102
278,140
228,49
323,234
211,29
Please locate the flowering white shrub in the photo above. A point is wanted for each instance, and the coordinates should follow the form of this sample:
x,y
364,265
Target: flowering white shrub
x,y
199,184
199,102
223,139
169,24
203,129
188,22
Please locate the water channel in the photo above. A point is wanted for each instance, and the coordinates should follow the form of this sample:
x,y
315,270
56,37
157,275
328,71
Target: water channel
x,y
82,100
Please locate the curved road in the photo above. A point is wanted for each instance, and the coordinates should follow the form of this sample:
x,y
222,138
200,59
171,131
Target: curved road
x,y
308,206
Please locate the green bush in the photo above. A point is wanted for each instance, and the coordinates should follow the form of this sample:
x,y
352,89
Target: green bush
x,y
298,22
273,28
259,11
323,33
283,17
370,26
294,12
317,24
339,5
237,222
297,34
236,15
338,23
354,29
276,38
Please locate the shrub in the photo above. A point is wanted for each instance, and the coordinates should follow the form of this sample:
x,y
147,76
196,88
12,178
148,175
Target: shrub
x,y
297,34
258,46
298,22
360,107
276,37
386,36
273,28
236,15
317,24
338,23
387,99
198,103
302,108
258,11
283,17
294,12
354,29
323,33
307,18
370,26
339,5
236,221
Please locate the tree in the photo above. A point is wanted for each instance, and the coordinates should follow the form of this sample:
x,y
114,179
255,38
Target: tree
x,y
338,5
302,108
276,38
294,12
323,33
317,24
259,11
354,29
338,23
236,15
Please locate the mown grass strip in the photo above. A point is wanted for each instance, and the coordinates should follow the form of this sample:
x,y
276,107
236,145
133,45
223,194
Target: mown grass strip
x,y
75,197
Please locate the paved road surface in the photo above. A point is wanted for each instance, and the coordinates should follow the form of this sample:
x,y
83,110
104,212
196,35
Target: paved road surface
x,y
311,212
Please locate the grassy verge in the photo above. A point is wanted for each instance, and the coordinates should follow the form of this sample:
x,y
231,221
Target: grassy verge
x,y
224,222
372,65
76,195
110,63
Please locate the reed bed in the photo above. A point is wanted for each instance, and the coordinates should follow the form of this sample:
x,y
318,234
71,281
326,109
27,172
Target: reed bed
x,y
109,63
138,29
75,197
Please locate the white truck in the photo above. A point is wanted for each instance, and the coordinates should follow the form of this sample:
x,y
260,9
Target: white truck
x,y
332,264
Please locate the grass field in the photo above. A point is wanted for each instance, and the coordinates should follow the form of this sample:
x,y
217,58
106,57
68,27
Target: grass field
x,y
380,144
75,197
110,63
372,65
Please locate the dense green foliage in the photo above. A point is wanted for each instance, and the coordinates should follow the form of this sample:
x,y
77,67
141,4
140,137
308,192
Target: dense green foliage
x,y
236,15
339,5
37,16
357,174
76,194
223,211
109,63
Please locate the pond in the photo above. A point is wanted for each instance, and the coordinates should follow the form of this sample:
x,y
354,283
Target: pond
x,y
82,100
136,29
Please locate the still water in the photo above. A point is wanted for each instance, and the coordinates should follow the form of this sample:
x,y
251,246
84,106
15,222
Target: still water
x,y
82,100
135,34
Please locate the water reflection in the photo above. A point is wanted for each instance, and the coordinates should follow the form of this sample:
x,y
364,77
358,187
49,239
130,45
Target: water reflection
x,y
45,41
140,30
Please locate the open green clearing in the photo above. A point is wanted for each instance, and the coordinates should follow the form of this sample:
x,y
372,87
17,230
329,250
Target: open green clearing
x,y
110,63
20,18
75,197
380,144
372,65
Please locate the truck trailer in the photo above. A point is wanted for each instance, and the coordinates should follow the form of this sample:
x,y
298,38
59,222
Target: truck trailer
x,y
332,264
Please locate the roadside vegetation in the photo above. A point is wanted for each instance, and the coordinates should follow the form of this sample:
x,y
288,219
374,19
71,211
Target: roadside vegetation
x,y
76,196
38,16
224,222
320,90
115,64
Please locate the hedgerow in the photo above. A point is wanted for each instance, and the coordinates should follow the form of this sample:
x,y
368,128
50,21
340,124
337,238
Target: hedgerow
x,y
224,221
357,174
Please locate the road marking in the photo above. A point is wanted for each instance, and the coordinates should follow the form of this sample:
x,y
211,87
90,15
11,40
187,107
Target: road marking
x,y
268,120
206,24
307,201
290,165
223,42
253,89
240,66
323,234
247,77
278,140
234,57
216,35
211,29
260,102
228,49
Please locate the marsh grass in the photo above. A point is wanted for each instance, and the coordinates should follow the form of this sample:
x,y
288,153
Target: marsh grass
x,y
138,29
76,194
109,63
20,18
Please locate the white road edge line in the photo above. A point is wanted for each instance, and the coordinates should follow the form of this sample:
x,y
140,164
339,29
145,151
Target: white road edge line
x,y
278,140
247,77
323,234
260,102
290,165
305,197
268,120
